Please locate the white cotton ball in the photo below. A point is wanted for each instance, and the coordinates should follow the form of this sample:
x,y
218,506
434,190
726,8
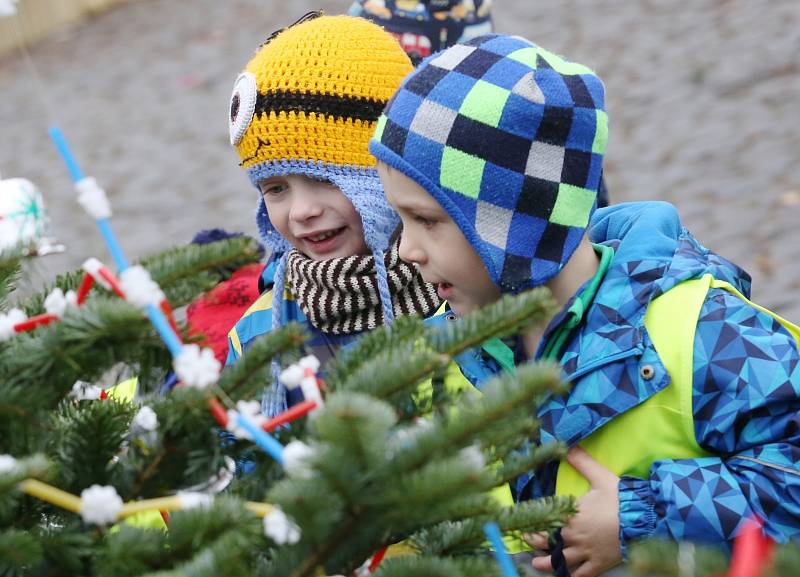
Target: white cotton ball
x,y
280,528
7,322
193,499
145,420
309,362
139,287
292,376
8,464
473,457
196,367
57,302
296,456
100,504
92,198
250,410
83,391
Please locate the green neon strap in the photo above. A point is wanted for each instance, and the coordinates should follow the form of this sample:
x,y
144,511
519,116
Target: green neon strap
x,y
555,344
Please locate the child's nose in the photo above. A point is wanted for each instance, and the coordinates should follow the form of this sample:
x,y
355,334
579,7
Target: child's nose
x,y
304,206
410,251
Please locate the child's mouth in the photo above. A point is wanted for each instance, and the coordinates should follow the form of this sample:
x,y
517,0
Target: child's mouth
x,y
324,241
444,290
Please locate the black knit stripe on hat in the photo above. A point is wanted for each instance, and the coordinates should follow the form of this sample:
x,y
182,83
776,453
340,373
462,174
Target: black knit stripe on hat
x,y
333,105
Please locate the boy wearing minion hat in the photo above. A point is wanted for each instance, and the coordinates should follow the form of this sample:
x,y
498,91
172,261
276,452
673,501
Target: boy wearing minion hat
x,y
301,116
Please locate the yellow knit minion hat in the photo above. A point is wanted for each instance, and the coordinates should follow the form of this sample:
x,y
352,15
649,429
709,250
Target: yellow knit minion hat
x,y
308,103
320,87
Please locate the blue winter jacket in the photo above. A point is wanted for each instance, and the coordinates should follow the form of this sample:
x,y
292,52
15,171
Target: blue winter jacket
x,y
746,389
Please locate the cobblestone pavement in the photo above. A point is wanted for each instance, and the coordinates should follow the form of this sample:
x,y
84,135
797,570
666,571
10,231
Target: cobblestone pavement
x,y
703,97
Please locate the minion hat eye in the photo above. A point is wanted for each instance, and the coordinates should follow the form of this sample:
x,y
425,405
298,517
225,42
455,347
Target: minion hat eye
x,y
242,107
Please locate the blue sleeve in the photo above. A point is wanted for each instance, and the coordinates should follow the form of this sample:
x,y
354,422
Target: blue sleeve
x,y
233,356
745,403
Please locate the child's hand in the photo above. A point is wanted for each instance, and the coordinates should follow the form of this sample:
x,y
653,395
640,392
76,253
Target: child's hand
x,y
591,539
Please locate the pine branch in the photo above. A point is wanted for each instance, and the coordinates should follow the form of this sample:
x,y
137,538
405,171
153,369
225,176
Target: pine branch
x,y
83,345
10,269
508,316
466,536
19,550
84,437
252,371
132,551
660,558
222,257
36,466
403,566
517,464
68,548
373,343
394,373
182,272
186,450
502,399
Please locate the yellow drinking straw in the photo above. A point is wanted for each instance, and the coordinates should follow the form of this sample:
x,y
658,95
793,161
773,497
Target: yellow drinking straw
x,y
70,502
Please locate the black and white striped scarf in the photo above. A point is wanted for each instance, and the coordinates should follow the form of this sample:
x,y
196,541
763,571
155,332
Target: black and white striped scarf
x,y
340,295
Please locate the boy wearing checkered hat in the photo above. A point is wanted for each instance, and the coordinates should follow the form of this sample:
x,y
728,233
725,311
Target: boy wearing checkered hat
x,y
683,416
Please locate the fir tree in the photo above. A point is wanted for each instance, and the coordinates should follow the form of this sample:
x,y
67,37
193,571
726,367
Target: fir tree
x,y
384,462
379,465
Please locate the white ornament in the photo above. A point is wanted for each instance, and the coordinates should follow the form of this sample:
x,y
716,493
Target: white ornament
x,y
83,391
23,216
57,302
9,235
292,376
8,464
8,7
100,504
473,457
311,392
309,363
145,420
250,410
296,457
7,322
92,198
139,288
196,367
303,374
93,266
193,499
280,528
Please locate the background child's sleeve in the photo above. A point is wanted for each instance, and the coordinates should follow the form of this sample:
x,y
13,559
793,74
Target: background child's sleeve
x,y
234,347
746,398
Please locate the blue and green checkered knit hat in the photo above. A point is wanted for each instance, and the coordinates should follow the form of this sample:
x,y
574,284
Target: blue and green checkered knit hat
x,y
509,139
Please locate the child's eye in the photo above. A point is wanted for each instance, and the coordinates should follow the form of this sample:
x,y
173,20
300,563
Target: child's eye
x,y
272,189
426,222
